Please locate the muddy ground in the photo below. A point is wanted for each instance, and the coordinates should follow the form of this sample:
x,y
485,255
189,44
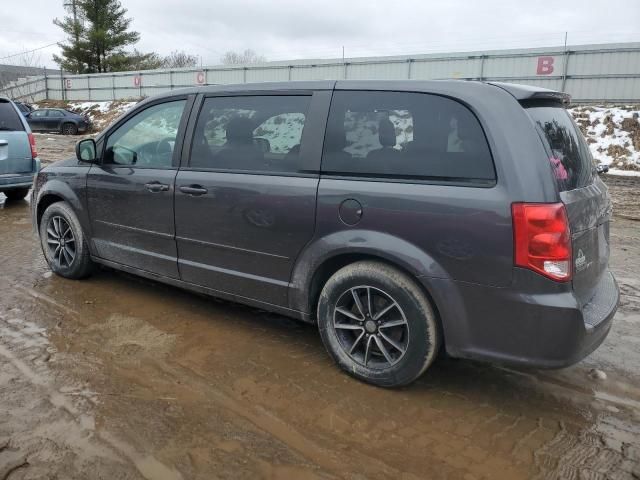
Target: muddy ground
x,y
120,378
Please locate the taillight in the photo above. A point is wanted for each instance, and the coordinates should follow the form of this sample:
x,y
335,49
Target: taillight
x,y
32,142
542,240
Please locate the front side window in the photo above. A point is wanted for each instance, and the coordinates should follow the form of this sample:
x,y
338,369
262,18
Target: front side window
x,y
148,138
250,133
405,135
39,113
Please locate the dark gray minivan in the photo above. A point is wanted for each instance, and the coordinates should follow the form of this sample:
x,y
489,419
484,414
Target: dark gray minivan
x,y
400,216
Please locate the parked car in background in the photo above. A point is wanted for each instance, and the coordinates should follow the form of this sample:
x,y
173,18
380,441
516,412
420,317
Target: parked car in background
x,y
58,120
25,108
399,216
18,156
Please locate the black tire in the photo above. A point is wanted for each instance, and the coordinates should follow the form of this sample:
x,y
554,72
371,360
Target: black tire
x,y
69,129
382,364
72,260
17,193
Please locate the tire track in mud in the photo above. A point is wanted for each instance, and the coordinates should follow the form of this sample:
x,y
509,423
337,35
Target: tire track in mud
x,y
24,346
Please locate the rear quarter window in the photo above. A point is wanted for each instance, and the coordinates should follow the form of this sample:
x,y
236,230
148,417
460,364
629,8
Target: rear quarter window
x,y
566,148
9,117
405,135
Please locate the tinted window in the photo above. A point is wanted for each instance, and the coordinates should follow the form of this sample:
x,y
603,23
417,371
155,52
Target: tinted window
x,y
405,135
566,148
38,113
148,138
251,133
9,117
55,114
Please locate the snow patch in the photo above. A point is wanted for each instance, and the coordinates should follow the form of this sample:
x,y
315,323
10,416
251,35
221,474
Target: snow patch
x,y
613,135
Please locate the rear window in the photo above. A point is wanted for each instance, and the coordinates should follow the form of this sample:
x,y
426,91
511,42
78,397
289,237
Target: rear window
x,y
405,135
9,117
566,148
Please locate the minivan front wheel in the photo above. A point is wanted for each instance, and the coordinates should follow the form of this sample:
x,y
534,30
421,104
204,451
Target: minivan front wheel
x,y
377,324
63,242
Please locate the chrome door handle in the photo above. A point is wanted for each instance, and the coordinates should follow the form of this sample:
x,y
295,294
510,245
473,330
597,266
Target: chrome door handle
x,y
194,190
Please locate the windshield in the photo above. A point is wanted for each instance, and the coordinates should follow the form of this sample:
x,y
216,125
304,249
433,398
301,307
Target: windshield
x,y
566,148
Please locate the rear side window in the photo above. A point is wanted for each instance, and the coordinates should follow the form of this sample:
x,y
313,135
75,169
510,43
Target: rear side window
x,y
250,133
9,118
566,148
405,135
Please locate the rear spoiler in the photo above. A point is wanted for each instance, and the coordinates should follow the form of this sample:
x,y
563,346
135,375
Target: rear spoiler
x,y
527,93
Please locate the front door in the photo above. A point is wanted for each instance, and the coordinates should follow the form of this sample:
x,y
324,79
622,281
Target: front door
x,y
245,202
130,193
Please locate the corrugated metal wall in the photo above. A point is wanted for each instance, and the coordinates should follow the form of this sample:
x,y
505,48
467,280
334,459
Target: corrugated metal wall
x,y
590,73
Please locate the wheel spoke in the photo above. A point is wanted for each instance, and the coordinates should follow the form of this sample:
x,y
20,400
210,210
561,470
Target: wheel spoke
x,y
391,342
366,351
383,349
347,313
56,254
382,312
357,341
52,241
356,298
52,232
68,255
393,323
348,326
369,308
67,231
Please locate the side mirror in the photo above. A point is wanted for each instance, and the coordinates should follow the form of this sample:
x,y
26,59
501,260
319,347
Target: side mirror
x,y
86,150
600,169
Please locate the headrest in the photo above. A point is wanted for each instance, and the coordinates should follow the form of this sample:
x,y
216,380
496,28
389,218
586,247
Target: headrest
x,y
386,133
240,130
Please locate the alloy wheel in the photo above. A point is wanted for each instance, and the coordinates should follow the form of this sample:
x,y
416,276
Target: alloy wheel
x,y
61,242
371,327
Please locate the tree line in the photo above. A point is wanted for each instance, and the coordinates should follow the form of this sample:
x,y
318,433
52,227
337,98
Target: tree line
x,y
99,39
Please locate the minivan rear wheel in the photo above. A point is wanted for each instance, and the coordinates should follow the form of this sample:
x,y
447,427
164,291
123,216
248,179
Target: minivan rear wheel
x,y
377,324
63,242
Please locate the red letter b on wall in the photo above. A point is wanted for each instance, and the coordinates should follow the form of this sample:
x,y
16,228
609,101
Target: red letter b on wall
x,y
545,66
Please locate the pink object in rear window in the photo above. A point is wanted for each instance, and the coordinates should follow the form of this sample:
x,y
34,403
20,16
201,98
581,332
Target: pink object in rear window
x,y
558,168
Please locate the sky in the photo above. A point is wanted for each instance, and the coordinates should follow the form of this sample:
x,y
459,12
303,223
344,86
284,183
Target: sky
x,y
294,29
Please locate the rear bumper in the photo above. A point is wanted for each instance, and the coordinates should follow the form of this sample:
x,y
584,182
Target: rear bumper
x,y
10,181
532,326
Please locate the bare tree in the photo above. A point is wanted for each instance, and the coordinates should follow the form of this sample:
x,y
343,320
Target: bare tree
x,y
240,58
26,91
179,59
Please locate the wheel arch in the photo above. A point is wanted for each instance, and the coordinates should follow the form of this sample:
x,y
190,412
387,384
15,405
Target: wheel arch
x,y
55,191
324,257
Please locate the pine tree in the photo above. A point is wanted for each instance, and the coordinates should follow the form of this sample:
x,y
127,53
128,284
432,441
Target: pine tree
x,y
98,33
